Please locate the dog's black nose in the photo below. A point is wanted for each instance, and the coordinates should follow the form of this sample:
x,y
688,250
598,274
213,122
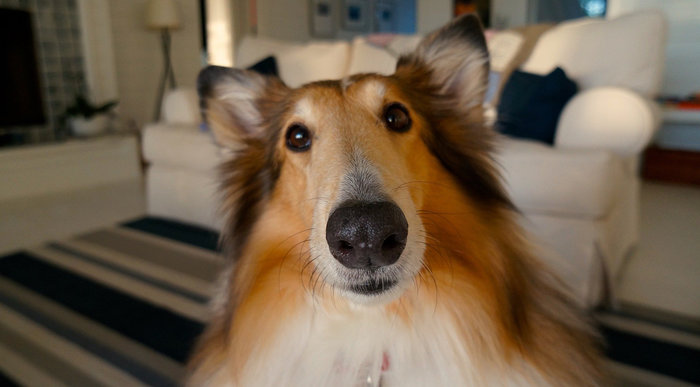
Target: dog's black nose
x,y
367,235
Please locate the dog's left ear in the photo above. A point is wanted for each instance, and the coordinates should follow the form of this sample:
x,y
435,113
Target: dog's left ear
x,y
234,103
454,60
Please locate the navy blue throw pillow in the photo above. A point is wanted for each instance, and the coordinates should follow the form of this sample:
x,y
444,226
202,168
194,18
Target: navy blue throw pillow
x,y
267,66
530,104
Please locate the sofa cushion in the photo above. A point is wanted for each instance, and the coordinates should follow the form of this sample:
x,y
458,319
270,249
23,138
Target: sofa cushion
x,y
180,146
503,47
297,63
510,48
530,104
561,182
404,44
314,61
627,51
368,58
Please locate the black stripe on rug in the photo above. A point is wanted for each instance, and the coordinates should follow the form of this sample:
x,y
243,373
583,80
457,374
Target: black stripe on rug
x,y
160,329
185,233
129,273
121,361
5,381
661,357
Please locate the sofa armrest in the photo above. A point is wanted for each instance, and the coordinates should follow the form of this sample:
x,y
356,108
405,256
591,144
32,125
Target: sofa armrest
x,y
180,146
611,118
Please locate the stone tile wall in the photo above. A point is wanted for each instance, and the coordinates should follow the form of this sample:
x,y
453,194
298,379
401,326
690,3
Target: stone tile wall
x,y
57,33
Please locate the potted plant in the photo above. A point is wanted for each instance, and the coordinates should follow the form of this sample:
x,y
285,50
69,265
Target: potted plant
x,y
85,119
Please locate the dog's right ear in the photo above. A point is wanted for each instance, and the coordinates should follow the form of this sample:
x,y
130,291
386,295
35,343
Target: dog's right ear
x,y
454,63
232,101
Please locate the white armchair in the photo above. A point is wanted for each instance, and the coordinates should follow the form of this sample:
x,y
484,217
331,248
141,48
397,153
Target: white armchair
x,y
581,196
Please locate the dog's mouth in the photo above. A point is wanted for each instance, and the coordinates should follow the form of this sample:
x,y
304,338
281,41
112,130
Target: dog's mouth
x,y
372,286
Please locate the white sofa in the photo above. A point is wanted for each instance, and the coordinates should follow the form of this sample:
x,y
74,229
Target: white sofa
x,y
579,197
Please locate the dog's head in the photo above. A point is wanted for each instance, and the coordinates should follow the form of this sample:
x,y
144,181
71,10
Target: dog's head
x,y
350,158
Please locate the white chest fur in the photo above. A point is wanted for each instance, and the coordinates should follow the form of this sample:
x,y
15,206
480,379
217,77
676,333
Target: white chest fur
x,y
321,348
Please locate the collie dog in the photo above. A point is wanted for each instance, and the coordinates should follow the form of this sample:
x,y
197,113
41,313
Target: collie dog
x,y
371,241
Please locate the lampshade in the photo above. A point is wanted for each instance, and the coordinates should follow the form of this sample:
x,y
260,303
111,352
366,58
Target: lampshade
x,y
162,14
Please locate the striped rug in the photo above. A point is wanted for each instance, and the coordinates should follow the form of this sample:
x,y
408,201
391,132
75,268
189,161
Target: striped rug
x,y
122,306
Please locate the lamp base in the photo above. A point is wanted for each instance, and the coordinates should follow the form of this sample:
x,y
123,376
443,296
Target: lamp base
x,y
168,73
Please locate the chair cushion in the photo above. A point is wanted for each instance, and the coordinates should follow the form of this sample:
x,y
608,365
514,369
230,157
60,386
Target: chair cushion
x,y
180,146
181,107
627,51
530,104
563,182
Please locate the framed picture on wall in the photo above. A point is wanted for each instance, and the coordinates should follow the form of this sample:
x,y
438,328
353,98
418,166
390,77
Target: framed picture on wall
x,y
355,15
384,16
322,18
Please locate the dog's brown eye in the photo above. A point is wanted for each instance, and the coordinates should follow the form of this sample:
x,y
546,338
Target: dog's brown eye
x,y
396,118
298,138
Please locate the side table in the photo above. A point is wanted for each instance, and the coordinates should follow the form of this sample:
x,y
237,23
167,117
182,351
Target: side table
x,y
675,154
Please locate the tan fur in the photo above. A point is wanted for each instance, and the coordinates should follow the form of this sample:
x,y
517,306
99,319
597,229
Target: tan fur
x,y
476,274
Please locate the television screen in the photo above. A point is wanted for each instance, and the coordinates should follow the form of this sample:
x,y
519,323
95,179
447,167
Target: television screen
x,y
20,92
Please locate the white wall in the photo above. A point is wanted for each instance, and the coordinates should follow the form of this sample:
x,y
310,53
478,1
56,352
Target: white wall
x,y
138,57
509,13
284,19
98,50
432,14
683,50
289,19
